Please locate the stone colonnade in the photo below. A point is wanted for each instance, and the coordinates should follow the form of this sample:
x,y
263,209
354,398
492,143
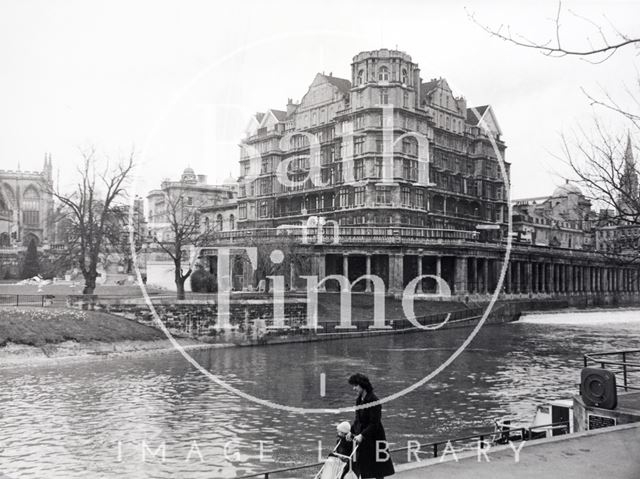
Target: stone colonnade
x,y
466,274
475,274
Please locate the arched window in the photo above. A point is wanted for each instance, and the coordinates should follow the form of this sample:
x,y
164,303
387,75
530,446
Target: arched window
x,y
206,223
219,222
232,222
383,74
405,78
360,77
31,207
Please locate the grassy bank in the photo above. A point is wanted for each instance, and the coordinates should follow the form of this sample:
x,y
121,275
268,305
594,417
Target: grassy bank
x,y
41,326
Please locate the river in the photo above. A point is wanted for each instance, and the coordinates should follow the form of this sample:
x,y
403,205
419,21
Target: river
x,y
98,419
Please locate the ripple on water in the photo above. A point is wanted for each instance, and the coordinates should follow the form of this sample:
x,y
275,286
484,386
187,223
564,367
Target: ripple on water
x,y
93,420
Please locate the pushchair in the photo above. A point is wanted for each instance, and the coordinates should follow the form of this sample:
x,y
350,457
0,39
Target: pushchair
x,y
338,466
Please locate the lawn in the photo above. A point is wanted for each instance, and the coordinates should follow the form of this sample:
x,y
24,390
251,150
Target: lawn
x,y
40,326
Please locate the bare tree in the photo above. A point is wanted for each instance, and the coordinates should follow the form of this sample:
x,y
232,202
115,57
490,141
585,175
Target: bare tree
x,y
182,234
93,212
598,160
600,163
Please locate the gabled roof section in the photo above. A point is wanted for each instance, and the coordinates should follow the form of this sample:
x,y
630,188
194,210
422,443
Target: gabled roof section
x,y
474,117
341,84
279,114
428,87
324,89
484,117
253,124
271,117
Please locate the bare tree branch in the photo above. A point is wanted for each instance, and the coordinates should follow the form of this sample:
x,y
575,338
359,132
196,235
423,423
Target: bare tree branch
x,y
556,48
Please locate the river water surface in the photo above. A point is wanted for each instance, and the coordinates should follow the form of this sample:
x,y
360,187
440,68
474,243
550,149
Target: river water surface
x,y
106,418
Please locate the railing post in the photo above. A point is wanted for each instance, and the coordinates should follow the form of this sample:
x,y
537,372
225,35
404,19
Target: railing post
x,y
435,450
17,299
624,369
42,301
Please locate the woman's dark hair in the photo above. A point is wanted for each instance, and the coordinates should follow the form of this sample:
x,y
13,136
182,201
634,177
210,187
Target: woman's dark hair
x,y
361,380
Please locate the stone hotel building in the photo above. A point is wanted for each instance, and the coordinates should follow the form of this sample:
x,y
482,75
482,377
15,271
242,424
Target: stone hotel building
x,y
393,220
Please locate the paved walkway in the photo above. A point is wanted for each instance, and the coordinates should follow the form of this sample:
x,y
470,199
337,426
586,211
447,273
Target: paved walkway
x,y
612,453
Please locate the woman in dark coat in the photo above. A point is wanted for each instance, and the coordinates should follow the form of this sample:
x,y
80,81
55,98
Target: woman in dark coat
x,y
367,430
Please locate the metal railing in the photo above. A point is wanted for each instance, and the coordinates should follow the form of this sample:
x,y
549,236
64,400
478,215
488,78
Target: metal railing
x,y
435,449
41,300
624,361
44,300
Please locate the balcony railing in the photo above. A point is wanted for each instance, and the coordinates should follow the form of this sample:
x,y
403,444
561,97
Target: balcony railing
x,y
346,235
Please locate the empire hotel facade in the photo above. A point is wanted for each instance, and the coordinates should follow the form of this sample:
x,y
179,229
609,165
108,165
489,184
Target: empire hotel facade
x,y
433,200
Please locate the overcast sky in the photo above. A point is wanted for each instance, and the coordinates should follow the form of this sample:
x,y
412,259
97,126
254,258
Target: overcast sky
x,y
177,81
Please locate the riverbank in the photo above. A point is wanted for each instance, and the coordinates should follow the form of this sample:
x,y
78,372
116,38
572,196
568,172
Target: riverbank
x,y
19,355
32,336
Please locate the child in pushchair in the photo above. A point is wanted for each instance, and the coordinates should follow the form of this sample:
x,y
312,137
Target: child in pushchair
x,y
339,464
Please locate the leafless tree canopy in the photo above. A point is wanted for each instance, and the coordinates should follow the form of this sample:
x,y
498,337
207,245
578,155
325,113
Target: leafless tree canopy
x,y
598,161
599,47
184,233
93,211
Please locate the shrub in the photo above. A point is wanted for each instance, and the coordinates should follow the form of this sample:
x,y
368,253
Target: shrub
x,y
203,282
31,266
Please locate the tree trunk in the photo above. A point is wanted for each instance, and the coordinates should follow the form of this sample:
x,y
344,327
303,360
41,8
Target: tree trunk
x,y
179,279
89,284
180,288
